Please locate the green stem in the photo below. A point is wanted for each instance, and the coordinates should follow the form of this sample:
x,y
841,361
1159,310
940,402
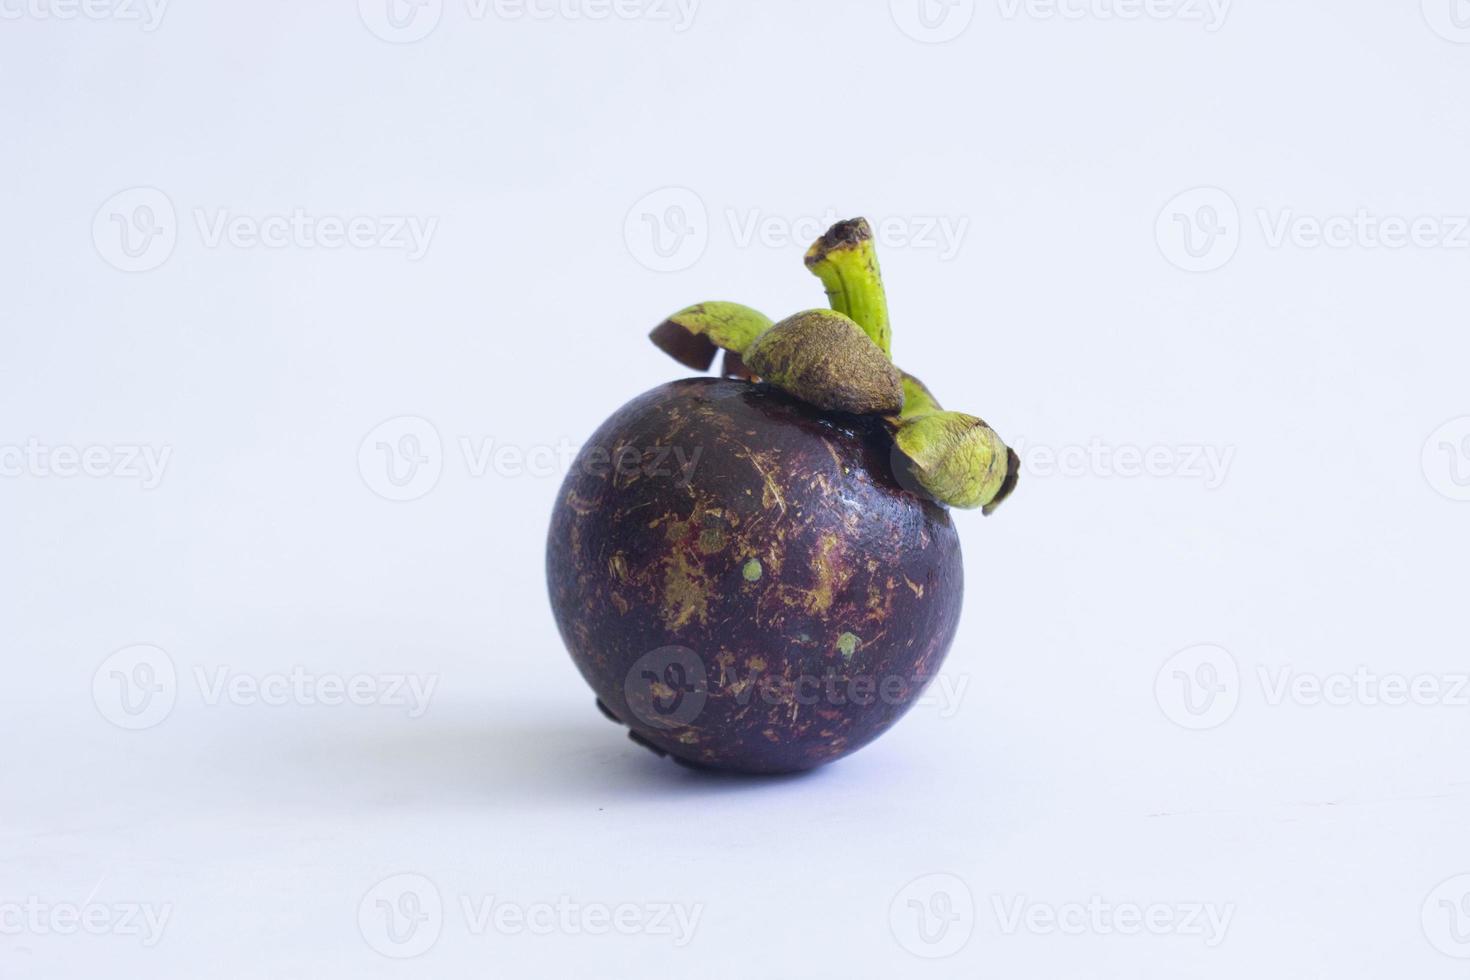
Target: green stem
x,y
846,261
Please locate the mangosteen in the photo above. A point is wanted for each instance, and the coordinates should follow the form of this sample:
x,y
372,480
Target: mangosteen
x,y
759,572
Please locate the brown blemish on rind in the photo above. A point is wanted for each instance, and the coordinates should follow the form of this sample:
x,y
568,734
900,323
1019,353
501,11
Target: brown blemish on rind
x,y
770,491
580,505
686,592
828,572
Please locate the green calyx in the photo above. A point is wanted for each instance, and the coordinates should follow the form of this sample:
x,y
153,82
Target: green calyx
x,y
917,399
839,360
694,334
958,459
826,360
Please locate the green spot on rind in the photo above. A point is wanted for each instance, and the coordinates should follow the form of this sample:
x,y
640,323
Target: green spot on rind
x,y
847,645
752,570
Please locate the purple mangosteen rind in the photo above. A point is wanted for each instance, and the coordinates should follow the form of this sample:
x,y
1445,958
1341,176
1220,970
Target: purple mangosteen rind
x,y
744,582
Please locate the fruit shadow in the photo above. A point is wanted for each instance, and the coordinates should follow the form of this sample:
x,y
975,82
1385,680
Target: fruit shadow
x,y
463,761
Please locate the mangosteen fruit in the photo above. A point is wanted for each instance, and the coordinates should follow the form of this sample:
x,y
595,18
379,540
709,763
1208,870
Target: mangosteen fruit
x,y
759,572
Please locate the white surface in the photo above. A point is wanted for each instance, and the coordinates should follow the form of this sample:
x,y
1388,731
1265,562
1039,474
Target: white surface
x,y
1333,541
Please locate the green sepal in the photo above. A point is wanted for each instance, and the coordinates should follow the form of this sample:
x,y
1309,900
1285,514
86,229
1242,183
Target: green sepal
x,y
694,334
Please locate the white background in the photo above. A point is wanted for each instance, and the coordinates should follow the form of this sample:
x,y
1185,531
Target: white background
x,y
1131,266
